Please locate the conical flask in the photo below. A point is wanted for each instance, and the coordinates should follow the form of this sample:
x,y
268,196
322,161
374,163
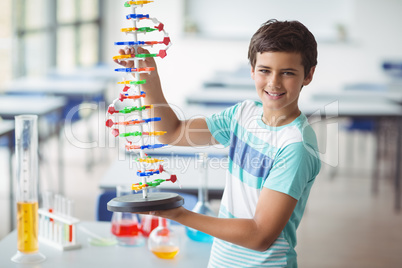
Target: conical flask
x,y
125,225
163,242
202,205
26,141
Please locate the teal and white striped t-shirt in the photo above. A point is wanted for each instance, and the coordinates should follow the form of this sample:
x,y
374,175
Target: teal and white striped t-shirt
x,y
283,159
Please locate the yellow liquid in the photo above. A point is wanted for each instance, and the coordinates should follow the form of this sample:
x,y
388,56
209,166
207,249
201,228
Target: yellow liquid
x,y
165,252
27,226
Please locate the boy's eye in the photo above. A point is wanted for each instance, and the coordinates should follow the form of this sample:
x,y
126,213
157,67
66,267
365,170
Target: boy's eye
x,y
263,71
288,73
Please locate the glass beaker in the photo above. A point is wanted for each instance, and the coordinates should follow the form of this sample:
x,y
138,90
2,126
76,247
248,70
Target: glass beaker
x,y
125,225
148,224
162,241
202,205
26,147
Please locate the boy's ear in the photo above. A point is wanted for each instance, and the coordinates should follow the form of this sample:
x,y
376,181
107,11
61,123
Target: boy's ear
x,y
307,80
252,72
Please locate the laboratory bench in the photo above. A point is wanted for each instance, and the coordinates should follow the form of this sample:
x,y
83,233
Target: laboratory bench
x,y
192,254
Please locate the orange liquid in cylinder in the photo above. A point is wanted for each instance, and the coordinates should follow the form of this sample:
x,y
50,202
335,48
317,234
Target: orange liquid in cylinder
x,y
27,226
165,252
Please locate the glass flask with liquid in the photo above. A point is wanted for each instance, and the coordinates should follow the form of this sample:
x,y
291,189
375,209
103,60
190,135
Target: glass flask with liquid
x,y
26,141
163,242
148,224
202,205
125,225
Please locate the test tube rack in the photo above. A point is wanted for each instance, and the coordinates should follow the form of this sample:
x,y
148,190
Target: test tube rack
x,y
58,231
130,103
57,226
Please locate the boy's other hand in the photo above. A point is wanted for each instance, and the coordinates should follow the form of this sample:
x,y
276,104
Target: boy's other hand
x,y
171,214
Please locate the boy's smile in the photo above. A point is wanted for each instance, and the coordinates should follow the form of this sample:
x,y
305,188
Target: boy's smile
x,y
279,77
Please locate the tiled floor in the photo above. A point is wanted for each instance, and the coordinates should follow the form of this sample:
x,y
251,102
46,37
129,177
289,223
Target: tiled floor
x,y
344,224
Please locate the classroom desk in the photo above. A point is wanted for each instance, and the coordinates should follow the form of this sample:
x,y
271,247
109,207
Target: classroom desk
x,y
7,130
361,95
103,72
377,109
239,78
179,161
10,106
75,90
192,254
83,89
220,96
348,103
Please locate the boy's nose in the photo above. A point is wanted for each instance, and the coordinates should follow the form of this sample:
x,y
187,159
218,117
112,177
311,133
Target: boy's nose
x,y
274,84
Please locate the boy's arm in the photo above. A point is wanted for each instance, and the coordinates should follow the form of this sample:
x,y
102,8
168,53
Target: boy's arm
x,y
272,213
192,132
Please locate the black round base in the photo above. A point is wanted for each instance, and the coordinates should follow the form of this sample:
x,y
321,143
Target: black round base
x,y
153,202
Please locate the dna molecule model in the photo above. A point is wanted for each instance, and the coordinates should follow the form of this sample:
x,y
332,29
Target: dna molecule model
x,y
127,117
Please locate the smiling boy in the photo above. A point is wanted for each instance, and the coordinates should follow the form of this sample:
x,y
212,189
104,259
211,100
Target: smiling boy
x,y
273,159
278,76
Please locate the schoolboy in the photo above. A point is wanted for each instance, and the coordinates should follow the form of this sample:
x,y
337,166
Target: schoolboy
x,y
273,159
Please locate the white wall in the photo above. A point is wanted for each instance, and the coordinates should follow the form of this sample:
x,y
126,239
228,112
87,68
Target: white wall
x,y
374,34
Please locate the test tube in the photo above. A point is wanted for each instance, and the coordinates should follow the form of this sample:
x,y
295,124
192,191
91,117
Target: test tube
x,y
71,232
47,223
26,139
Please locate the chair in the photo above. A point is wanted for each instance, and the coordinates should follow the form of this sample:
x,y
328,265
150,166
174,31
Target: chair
x,y
361,125
357,132
102,214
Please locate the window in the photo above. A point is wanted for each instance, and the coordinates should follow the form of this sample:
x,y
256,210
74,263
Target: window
x,y
5,41
62,34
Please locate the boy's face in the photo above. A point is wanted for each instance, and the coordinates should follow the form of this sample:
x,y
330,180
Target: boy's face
x,y
279,77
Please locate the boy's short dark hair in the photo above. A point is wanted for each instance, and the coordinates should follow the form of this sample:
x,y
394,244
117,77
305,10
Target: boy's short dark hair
x,y
284,36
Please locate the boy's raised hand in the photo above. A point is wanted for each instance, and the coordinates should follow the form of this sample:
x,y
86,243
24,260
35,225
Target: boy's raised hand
x,y
148,62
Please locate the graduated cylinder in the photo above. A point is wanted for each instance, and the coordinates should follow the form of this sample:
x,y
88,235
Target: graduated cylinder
x,y
26,132
26,147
